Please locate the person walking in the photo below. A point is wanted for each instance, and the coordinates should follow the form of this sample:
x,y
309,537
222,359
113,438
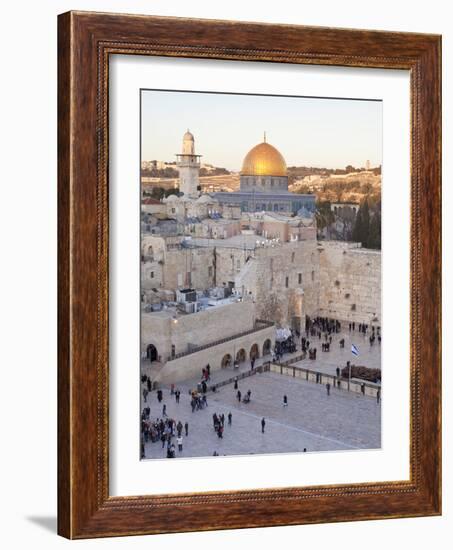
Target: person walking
x,y
285,400
145,394
186,428
179,442
236,383
179,427
328,388
164,410
238,395
263,424
230,418
148,384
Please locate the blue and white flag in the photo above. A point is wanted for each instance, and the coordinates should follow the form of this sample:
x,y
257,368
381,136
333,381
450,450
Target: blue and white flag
x,y
354,350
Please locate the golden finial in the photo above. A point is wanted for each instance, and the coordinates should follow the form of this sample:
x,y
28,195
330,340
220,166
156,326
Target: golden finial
x,y
265,136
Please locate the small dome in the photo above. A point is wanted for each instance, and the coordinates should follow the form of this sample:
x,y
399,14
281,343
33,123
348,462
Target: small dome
x,y
188,136
264,160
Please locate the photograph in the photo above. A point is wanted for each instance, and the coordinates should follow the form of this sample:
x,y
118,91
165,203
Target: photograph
x,y
260,262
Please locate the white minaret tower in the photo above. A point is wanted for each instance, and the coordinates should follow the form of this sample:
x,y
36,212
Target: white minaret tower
x,y
188,164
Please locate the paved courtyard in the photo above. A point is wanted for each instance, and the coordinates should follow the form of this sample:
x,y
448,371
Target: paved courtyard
x,y
369,356
312,420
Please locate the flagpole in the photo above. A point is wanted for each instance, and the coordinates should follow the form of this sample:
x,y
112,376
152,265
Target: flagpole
x,y
349,376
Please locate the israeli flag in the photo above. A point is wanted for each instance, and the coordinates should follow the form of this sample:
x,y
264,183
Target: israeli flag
x,y
354,350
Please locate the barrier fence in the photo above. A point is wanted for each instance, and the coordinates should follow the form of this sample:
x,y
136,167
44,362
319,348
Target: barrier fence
x,y
353,385
265,367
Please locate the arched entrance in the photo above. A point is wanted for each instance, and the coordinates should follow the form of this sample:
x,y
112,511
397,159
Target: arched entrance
x,y
226,361
241,355
267,347
254,352
151,353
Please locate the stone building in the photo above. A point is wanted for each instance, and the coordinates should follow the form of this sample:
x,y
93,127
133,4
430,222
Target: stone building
x,y
176,346
264,184
286,280
168,264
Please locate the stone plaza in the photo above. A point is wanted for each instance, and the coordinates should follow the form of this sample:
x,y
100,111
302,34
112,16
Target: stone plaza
x,y
313,420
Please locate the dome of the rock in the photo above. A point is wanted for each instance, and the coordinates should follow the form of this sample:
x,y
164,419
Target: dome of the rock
x,y
264,160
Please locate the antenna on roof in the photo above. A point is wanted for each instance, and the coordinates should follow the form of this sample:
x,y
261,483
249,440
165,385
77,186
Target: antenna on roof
x,y
265,136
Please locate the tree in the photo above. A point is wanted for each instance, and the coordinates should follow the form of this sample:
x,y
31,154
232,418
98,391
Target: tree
x,y
375,231
324,214
367,227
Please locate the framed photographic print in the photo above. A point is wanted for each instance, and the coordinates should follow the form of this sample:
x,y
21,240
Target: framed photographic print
x,y
249,275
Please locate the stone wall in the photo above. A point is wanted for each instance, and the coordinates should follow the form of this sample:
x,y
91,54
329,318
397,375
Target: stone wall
x,y
196,329
189,267
190,366
283,280
169,266
350,279
291,280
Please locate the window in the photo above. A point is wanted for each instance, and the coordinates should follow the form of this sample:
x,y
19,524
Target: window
x,y
293,255
300,278
286,282
151,274
312,275
238,264
210,271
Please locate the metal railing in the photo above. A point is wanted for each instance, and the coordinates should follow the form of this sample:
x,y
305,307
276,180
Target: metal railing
x,y
292,360
265,367
356,386
259,325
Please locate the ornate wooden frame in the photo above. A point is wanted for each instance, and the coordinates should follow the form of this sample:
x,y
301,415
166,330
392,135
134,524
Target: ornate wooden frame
x,y
85,41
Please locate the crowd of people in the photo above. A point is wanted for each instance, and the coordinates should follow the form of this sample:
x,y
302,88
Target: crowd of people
x,y
169,431
163,429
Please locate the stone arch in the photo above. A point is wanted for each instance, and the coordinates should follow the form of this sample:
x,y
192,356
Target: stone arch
x,y
267,347
151,353
241,355
226,361
254,352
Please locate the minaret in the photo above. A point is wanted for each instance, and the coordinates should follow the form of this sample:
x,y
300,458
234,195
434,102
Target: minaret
x,y
188,164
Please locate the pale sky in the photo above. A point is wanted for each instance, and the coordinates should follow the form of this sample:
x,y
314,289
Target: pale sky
x,y
329,133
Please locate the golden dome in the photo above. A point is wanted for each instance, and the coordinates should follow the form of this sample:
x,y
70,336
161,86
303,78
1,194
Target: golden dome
x,y
263,160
